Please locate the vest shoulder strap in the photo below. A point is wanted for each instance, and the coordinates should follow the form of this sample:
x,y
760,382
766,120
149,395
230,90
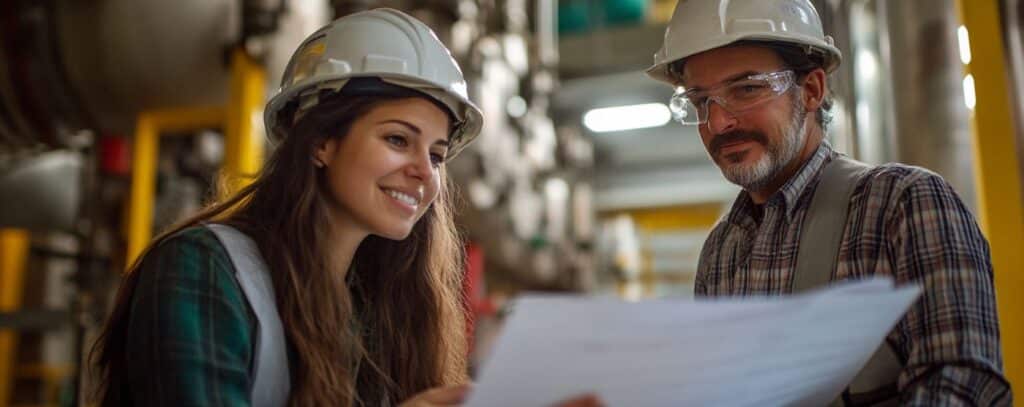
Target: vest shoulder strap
x,y
817,258
822,231
271,379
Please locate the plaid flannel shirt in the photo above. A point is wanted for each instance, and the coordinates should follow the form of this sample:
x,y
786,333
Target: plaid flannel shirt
x,y
191,331
905,222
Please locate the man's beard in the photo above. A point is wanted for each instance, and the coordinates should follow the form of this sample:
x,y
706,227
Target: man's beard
x,y
758,175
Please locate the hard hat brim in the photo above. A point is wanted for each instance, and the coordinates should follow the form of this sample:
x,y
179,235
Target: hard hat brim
x,y
464,110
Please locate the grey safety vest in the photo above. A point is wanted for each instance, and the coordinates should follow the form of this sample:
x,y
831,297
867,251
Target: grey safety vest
x,y
271,379
876,383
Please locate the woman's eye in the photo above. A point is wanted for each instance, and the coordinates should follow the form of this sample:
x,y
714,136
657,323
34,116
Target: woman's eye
x,y
396,140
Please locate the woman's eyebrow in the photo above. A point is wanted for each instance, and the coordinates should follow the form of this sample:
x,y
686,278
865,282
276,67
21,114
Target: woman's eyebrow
x,y
404,123
442,142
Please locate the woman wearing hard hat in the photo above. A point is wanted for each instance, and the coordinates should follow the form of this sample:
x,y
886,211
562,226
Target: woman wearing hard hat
x,y
334,279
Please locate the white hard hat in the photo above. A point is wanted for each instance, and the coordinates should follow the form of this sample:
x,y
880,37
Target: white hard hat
x,y
702,25
381,43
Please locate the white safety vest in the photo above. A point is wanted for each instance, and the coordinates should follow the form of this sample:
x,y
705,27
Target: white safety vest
x,y
271,383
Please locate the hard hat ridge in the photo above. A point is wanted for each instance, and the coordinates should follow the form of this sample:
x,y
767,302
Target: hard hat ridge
x,y
702,25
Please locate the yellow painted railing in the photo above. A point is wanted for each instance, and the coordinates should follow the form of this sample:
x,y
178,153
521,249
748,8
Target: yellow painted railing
x,y
242,121
145,152
1000,208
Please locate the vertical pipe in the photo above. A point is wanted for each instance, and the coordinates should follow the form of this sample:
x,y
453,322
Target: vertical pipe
x,y
244,133
997,175
868,63
547,33
1014,18
14,245
888,140
931,123
836,18
139,220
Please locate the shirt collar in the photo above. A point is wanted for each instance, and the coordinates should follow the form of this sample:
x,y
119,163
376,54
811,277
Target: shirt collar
x,y
797,184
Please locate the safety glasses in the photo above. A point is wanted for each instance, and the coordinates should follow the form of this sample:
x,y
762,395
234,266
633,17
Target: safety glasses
x,y
690,106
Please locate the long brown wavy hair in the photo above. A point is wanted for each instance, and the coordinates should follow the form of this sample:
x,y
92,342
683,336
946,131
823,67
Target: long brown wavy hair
x,y
391,327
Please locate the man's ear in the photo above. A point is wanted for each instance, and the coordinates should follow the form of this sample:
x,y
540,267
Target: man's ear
x,y
815,89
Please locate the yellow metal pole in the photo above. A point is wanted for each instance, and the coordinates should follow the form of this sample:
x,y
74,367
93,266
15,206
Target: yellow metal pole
x,y
148,128
1000,208
143,185
14,246
244,136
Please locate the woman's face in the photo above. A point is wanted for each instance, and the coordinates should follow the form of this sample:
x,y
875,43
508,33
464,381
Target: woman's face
x,y
384,174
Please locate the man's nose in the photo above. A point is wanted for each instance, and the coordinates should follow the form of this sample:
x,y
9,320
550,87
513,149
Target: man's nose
x,y
720,119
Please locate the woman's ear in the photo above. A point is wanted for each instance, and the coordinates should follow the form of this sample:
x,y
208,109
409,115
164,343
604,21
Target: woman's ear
x,y
324,151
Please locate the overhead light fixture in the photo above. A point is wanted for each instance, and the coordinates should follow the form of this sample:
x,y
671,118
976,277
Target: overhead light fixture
x,y
619,118
965,44
867,64
970,98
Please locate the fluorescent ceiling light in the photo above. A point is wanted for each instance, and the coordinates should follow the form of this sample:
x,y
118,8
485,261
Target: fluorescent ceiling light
x,y
866,64
630,117
970,99
965,44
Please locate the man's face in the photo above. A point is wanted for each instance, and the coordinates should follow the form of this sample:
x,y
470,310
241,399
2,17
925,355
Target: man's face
x,y
753,146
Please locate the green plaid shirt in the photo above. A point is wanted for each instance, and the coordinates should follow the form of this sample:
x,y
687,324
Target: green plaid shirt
x,y
191,334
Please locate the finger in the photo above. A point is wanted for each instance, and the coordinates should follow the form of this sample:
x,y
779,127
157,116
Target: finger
x,y
447,395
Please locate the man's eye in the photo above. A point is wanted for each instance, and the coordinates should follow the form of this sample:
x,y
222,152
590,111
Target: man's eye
x,y
752,88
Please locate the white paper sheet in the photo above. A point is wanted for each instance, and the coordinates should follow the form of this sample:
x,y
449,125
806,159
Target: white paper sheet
x,y
756,351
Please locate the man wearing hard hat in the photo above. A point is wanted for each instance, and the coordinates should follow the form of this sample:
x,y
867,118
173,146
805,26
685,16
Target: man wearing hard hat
x,y
752,75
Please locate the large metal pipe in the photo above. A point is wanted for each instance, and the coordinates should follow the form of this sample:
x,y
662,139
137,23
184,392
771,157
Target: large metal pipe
x,y
931,118
1013,24
902,86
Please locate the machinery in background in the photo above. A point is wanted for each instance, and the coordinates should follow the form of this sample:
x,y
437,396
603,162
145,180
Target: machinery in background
x,y
116,117
77,80
528,182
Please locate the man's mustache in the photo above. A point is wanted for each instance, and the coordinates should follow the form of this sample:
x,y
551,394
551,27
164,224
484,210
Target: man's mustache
x,y
734,137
